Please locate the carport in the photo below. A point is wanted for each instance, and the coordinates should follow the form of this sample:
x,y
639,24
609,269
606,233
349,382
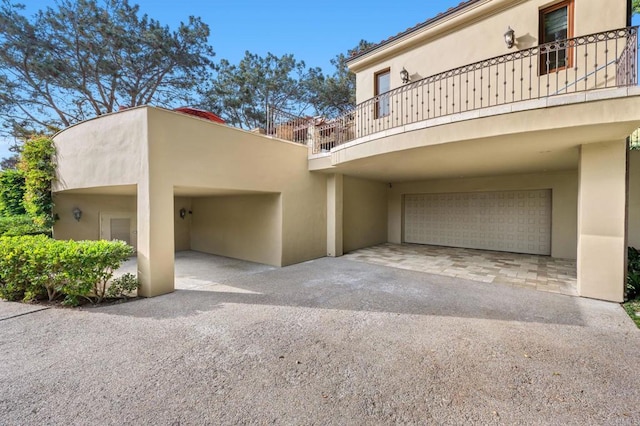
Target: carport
x,y
187,183
233,223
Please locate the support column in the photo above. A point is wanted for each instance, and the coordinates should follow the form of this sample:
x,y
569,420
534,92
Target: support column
x,y
155,239
334,215
602,220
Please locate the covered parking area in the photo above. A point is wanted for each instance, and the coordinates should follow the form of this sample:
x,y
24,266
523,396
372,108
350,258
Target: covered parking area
x,y
552,181
183,183
238,224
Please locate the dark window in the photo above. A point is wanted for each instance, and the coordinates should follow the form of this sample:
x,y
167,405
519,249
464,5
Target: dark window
x,y
556,26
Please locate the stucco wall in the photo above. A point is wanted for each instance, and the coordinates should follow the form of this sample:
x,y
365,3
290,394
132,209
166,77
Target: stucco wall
x,y
564,186
633,221
475,35
187,152
245,227
164,153
364,213
106,151
602,209
182,227
88,228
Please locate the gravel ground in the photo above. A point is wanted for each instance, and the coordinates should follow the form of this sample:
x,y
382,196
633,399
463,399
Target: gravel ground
x,y
326,342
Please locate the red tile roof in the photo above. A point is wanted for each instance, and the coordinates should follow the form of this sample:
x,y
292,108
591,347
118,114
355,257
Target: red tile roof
x,y
200,113
429,21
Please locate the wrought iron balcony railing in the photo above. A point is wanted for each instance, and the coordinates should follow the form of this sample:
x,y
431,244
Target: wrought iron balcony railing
x,y
287,126
596,61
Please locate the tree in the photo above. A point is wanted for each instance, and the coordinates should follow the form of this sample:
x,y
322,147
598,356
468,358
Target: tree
x,y
336,94
89,57
635,6
241,93
19,132
11,162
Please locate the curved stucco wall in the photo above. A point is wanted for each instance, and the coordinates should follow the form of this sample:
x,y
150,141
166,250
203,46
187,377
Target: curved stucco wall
x,y
166,161
158,150
106,151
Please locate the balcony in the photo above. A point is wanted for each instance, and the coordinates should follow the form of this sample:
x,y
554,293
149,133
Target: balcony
x,y
580,64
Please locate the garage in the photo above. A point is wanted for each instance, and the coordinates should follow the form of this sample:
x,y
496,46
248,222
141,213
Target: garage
x,y
513,221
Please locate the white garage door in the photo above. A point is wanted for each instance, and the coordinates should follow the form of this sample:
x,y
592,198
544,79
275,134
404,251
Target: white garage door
x,y
514,221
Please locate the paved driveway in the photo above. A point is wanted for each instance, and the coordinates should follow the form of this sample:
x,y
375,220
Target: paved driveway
x,y
331,341
542,273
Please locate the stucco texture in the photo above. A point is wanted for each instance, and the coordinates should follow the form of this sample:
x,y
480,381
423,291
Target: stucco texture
x,y
479,30
88,227
250,196
364,213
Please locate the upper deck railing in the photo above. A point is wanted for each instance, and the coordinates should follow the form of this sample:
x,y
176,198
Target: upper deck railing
x,y
595,61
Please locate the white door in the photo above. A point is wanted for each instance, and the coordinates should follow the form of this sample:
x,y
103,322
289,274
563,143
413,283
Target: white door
x,y
118,226
513,221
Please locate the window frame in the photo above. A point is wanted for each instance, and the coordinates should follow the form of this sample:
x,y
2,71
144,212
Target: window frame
x,y
570,5
378,108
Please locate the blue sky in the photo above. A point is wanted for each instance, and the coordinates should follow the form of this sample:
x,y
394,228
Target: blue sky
x,y
313,31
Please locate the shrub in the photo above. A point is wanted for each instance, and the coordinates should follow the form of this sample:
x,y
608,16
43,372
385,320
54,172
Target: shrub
x,y
11,226
96,261
123,285
12,193
20,274
39,172
36,266
632,288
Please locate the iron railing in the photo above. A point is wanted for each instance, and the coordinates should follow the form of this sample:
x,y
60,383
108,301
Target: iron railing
x,y
595,61
287,126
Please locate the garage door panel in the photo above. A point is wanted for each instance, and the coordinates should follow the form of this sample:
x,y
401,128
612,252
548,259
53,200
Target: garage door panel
x,y
515,221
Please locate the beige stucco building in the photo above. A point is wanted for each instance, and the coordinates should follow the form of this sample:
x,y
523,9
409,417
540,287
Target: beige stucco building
x,y
466,134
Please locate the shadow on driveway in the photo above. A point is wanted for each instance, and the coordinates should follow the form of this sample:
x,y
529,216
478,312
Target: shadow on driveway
x,y
205,283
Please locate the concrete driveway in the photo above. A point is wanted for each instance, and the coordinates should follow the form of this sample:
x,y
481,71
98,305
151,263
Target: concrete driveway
x,y
331,341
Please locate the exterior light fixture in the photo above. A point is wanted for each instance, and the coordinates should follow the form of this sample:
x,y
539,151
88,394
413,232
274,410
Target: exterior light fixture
x,y
183,213
77,214
404,75
510,37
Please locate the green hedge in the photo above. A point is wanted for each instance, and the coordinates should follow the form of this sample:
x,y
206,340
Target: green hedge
x,y
12,226
12,186
33,267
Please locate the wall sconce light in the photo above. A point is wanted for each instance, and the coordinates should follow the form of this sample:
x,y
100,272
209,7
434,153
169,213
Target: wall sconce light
x,y
77,214
510,37
183,213
404,75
